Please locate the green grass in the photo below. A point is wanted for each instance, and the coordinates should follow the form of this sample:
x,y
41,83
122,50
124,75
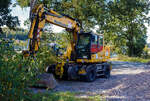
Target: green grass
x,y
62,96
130,59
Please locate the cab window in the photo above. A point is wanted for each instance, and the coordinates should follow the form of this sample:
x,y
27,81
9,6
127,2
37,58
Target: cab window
x,y
94,39
101,40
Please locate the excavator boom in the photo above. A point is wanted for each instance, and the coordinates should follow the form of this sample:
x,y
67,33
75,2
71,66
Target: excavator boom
x,y
40,16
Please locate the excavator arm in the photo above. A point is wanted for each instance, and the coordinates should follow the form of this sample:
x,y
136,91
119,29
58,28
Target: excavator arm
x,y
40,16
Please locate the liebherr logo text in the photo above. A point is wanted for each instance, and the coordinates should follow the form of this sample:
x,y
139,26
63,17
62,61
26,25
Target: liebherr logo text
x,y
59,23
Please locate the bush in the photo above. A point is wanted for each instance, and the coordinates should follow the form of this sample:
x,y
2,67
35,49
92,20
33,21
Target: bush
x,y
45,57
145,54
15,74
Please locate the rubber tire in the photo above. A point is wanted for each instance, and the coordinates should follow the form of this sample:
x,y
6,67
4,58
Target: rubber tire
x,y
91,75
73,73
107,73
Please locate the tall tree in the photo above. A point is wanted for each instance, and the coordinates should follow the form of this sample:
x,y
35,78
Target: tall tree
x,y
84,11
122,21
127,24
5,15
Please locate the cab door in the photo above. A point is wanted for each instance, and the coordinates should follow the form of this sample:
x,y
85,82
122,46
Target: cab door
x,y
94,44
100,43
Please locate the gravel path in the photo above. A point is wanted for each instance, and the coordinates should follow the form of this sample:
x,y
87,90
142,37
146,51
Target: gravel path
x,y
128,82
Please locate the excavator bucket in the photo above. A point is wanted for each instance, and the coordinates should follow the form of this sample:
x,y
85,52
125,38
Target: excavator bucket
x,y
47,80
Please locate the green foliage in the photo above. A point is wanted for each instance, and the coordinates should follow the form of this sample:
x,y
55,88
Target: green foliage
x,y
145,54
24,3
45,57
17,73
63,96
121,21
14,78
5,15
84,11
63,39
59,96
46,54
125,27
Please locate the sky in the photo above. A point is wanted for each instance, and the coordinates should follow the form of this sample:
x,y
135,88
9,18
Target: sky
x,y
23,14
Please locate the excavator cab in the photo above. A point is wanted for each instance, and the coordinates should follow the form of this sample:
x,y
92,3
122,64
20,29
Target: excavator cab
x,y
88,44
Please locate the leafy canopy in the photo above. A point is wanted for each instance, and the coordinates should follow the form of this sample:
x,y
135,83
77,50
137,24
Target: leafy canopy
x,y
5,15
121,21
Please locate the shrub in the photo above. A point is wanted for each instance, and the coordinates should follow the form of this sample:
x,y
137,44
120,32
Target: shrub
x,y
14,77
17,73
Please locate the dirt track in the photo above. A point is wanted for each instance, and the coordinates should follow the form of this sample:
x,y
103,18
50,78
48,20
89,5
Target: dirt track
x,y
128,82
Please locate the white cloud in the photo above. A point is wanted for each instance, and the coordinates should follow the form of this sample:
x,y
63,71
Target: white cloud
x,y
22,13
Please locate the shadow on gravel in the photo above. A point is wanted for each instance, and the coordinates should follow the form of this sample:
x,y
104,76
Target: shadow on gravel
x,y
121,87
130,87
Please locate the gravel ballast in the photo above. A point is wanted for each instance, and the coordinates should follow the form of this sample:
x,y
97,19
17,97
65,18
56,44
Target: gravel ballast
x,y
128,82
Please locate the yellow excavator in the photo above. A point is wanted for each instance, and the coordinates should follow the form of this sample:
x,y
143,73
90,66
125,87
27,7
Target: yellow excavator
x,y
86,56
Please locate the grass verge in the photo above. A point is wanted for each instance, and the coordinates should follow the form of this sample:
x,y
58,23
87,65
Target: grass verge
x,y
62,96
130,59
